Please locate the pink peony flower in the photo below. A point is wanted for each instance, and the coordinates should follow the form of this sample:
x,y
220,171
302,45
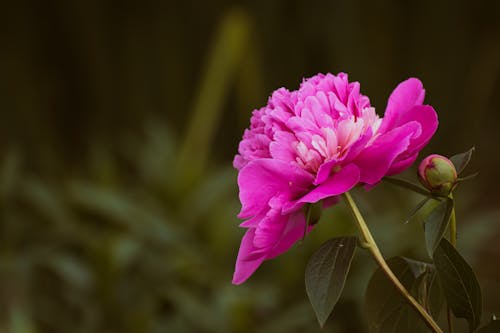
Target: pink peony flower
x,y
316,143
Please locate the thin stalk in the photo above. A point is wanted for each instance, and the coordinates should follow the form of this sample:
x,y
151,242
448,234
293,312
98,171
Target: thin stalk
x,y
371,246
453,241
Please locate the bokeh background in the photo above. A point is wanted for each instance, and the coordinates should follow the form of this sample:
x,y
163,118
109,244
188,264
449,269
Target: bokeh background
x,y
119,121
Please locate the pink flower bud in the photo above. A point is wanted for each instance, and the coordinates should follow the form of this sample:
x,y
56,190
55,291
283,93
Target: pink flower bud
x,y
438,174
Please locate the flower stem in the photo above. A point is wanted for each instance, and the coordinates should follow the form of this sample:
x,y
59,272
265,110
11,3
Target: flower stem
x,y
379,259
453,241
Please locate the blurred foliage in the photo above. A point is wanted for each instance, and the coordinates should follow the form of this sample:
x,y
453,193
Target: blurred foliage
x,y
118,123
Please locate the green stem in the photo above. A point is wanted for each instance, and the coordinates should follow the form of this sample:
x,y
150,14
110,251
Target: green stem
x,y
371,246
453,241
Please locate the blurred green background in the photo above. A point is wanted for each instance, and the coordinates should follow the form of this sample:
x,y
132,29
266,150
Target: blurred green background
x,y
119,121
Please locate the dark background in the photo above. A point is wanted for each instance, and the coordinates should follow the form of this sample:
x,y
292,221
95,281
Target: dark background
x,y
119,121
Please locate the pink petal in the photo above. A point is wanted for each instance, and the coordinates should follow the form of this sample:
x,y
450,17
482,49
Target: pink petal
x,y
427,117
277,235
324,171
244,267
402,165
375,161
407,94
262,179
254,221
326,168
239,162
293,232
354,150
282,146
270,229
338,183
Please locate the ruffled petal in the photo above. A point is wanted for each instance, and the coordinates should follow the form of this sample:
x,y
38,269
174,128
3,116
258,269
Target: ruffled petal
x,y
263,179
325,169
375,161
271,238
294,231
340,182
426,116
246,264
407,94
401,165
270,229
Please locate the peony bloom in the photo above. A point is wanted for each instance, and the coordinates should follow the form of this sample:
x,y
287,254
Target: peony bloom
x,y
317,143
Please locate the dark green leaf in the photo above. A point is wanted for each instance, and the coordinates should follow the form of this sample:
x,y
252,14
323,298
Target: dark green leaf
x,y
416,209
408,185
460,161
492,327
386,309
435,295
326,273
437,223
460,286
428,292
463,179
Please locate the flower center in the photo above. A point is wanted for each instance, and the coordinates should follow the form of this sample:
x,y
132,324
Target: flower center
x,y
334,143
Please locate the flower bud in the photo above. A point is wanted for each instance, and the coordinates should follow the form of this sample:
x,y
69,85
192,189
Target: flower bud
x,y
438,174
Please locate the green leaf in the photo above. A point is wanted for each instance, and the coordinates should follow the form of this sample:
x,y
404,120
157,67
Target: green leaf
x,y
417,208
469,177
460,161
437,223
326,273
436,299
386,309
492,327
459,283
428,292
408,185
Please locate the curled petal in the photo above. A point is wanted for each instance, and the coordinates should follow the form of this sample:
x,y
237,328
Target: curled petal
x,y
263,179
426,116
271,238
293,231
407,94
375,161
245,264
340,182
270,229
401,165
